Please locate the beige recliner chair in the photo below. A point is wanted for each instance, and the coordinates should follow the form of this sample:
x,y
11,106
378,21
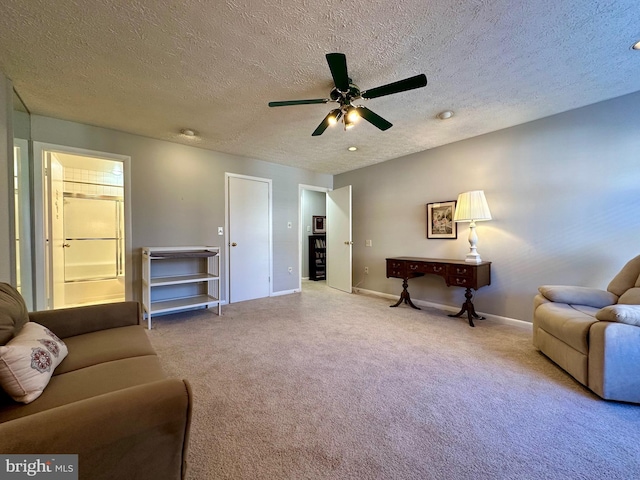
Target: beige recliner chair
x,y
594,334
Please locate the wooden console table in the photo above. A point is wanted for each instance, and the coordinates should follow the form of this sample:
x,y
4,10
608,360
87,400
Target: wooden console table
x,y
456,273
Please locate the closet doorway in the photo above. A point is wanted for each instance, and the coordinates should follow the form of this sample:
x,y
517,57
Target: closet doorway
x,y
84,227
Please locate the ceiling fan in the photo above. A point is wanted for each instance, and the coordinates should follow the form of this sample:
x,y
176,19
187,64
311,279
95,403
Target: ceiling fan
x,y
345,93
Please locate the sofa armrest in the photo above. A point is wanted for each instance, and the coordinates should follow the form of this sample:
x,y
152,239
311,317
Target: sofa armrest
x,y
614,361
592,297
140,432
68,322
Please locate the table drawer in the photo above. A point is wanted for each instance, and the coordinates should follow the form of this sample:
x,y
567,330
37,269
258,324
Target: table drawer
x,y
396,268
461,271
415,267
455,281
435,268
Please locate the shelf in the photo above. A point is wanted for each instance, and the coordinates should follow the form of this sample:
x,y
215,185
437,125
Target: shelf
x,y
182,254
182,303
180,279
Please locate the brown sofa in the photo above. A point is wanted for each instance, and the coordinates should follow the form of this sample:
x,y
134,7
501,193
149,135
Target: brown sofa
x,y
108,401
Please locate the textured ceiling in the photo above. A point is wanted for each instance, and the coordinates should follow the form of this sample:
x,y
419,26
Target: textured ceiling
x,y
153,68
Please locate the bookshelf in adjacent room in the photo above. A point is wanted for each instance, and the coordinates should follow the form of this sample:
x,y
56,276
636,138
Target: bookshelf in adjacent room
x,y
317,257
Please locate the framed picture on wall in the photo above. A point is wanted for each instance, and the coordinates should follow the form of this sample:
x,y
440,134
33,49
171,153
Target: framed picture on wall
x,y
440,222
319,224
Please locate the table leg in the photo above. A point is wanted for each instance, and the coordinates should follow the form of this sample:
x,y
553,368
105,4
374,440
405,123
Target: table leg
x,y
404,296
468,307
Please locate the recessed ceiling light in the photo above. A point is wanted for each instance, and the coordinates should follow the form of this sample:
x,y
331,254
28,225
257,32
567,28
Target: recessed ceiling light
x,y
636,46
352,149
187,132
445,115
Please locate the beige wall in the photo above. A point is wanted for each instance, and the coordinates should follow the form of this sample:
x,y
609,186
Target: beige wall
x,y
564,192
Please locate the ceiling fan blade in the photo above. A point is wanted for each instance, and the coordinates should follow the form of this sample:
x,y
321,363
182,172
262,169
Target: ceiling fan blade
x,y
396,87
286,103
323,126
374,118
338,66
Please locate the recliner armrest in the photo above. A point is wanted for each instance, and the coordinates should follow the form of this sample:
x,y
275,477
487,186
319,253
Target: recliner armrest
x,y
68,322
592,297
140,432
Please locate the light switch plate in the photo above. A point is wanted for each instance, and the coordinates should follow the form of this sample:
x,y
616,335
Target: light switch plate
x,y
220,231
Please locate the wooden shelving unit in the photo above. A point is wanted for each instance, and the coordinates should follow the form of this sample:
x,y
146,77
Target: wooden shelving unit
x,y
179,278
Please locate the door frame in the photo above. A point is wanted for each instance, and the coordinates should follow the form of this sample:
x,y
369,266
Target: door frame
x,y
39,234
227,266
313,188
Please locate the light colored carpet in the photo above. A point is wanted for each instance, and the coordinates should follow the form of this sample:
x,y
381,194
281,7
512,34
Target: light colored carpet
x,y
327,385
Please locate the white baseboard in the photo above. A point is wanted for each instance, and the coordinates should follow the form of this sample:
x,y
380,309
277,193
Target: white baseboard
x,y
447,308
285,292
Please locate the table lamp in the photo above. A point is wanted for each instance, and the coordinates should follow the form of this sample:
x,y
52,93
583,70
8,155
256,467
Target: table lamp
x,y
472,207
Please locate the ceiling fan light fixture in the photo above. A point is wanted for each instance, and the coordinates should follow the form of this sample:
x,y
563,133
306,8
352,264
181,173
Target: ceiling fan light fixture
x,y
348,124
352,115
335,116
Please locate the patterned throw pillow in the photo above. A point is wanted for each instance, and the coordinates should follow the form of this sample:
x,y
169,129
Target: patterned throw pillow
x,y
28,360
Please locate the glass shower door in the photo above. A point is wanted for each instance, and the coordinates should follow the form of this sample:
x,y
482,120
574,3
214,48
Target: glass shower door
x,y
92,233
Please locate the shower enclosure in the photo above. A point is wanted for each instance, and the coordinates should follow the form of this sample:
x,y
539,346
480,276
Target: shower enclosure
x,y
85,230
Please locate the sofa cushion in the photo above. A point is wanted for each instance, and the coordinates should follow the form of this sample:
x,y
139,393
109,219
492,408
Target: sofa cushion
x,y
567,324
104,346
627,278
592,297
27,362
629,314
88,383
630,297
13,312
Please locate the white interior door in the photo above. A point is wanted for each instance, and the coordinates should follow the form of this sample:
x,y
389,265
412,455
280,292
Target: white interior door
x,y
339,241
249,221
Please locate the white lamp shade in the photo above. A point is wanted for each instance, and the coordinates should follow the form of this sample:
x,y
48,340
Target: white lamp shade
x,y
472,207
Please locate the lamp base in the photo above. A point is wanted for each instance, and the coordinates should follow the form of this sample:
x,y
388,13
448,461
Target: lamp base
x,y
473,258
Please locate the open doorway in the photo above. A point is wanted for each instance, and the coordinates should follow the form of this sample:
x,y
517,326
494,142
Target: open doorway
x,y
334,246
313,208
84,228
